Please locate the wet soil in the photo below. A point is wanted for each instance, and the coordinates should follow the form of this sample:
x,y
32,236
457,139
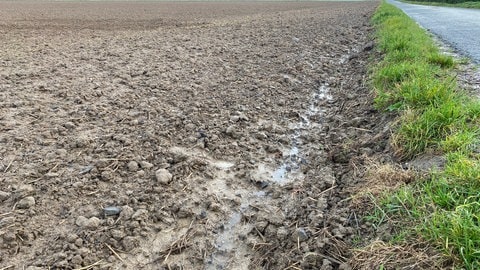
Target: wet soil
x,y
183,135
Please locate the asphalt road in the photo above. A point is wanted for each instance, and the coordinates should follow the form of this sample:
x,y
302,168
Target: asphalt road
x,y
458,27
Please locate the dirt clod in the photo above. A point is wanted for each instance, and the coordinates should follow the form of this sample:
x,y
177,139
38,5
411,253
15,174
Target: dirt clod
x,y
4,195
132,166
163,176
26,203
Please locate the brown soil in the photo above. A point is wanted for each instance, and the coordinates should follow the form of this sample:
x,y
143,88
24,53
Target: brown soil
x,y
183,135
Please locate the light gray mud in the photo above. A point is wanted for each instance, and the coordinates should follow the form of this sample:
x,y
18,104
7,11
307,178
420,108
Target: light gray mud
x,y
226,134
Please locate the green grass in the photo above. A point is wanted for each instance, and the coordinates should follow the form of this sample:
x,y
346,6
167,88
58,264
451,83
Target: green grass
x,y
470,4
415,80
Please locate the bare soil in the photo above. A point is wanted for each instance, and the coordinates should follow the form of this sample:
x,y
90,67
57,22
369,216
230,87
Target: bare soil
x,y
183,135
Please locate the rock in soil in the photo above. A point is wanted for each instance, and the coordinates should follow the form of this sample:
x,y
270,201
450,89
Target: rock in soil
x,y
163,176
4,195
26,203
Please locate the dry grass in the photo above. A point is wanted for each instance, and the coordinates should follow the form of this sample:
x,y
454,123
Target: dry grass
x,y
381,255
380,179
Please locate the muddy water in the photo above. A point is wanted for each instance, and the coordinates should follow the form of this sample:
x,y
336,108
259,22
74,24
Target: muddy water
x,y
227,243
293,157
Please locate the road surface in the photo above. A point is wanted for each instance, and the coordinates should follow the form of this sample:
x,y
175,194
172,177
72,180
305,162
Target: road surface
x,y
458,27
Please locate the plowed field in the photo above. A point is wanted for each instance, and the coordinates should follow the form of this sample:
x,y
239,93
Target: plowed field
x,y
157,135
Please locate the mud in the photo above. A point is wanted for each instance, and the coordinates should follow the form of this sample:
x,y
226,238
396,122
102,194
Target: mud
x,y
183,135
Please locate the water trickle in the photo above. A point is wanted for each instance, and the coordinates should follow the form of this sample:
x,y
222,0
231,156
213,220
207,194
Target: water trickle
x,y
223,165
227,242
323,93
293,158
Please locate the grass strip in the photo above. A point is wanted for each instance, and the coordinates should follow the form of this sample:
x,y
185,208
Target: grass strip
x,y
415,80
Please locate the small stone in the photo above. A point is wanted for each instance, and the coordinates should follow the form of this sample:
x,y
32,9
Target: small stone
x,y
77,260
111,211
132,166
69,125
192,139
163,176
81,221
300,235
77,185
146,165
234,118
71,238
26,202
70,247
4,195
79,242
93,223
178,155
